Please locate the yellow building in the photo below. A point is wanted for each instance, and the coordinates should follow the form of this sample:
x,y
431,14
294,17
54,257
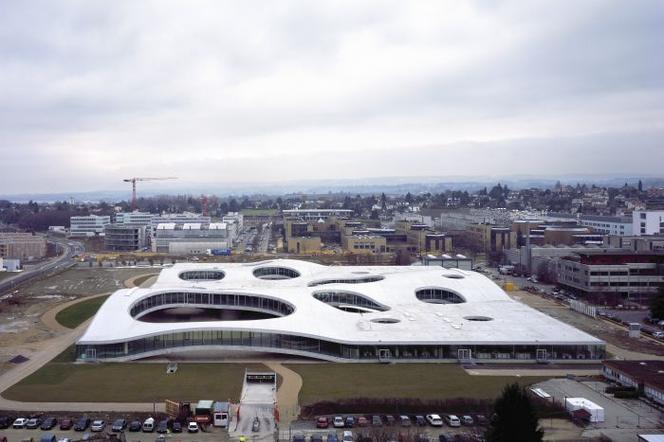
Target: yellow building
x,y
304,244
363,244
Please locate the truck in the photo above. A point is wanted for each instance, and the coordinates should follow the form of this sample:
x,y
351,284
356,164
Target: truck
x,y
219,252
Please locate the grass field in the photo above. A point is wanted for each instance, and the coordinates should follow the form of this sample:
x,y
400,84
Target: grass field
x,y
75,315
130,382
423,381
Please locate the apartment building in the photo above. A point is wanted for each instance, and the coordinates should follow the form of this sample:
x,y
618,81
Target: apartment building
x,y
135,218
648,222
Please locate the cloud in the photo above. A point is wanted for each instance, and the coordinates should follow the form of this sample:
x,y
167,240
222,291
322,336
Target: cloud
x,y
223,91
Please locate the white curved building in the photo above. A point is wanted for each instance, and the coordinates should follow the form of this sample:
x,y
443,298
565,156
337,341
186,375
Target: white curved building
x,y
345,314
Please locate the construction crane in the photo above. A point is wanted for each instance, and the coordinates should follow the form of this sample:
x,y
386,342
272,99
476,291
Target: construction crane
x,y
133,186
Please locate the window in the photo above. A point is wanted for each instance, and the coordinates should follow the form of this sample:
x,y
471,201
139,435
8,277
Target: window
x,y
438,296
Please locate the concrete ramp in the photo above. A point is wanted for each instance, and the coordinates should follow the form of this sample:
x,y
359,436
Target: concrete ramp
x,y
256,411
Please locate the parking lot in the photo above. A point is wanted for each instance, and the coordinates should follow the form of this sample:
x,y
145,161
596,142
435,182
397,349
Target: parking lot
x,y
391,428
619,414
214,434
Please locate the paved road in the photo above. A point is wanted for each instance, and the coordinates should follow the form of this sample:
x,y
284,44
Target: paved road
x,y
63,261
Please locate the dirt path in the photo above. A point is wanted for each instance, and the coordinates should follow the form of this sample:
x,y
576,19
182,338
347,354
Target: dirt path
x,y
288,393
49,320
131,282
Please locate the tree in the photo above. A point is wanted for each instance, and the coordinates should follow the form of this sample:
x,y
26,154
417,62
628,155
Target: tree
x,y
233,206
383,201
640,186
657,304
514,419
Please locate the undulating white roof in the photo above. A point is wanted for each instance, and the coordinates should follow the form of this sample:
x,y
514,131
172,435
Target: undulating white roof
x,y
418,322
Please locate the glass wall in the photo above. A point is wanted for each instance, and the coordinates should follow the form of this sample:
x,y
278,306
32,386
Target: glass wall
x,y
313,347
439,296
231,300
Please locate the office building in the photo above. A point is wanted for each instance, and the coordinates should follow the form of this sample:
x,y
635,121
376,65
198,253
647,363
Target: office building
x,y
23,246
86,226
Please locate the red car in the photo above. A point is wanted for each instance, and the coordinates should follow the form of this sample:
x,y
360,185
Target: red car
x,y
322,422
362,421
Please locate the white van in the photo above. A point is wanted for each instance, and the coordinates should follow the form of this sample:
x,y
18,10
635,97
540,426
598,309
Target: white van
x,y
148,425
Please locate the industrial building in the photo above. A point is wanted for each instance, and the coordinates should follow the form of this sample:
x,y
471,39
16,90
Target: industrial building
x,y
645,376
86,226
23,246
607,225
336,313
190,238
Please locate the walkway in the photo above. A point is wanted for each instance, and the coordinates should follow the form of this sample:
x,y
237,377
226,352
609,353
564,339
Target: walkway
x,y
287,394
45,352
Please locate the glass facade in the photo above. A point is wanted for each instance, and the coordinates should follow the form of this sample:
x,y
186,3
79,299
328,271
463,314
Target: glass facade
x,y
202,275
214,300
338,298
439,296
275,273
318,348
361,280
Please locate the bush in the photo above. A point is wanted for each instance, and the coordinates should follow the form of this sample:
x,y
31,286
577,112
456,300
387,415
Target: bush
x,y
623,394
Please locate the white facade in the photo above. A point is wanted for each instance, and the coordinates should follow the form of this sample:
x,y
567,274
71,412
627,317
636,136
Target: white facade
x,y
191,238
336,313
90,225
180,218
648,222
316,214
137,218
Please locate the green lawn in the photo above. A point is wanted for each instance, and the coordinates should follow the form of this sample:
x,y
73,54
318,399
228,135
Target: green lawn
x,y
75,315
420,381
130,382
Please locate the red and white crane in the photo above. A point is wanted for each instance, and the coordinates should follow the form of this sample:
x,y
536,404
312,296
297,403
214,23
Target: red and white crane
x,y
133,186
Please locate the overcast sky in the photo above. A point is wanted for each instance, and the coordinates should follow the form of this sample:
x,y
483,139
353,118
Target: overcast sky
x,y
95,91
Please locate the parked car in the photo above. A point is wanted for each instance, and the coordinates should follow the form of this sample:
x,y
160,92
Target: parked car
x,y
298,437
162,427
5,422
452,420
332,437
256,425
148,425
658,335
338,422
82,424
376,421
322,422
33,423
350,421
48,423
64,439
177,427
467,420
97,425
192,427
119,425
48,437
347,436
135,426
362,421
66,424
389,420
481,419
19,422
420,421
317,437
404,421
434,420
442,437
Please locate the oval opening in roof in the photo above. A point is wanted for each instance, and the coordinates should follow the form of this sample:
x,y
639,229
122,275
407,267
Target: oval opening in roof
x,y
454,276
